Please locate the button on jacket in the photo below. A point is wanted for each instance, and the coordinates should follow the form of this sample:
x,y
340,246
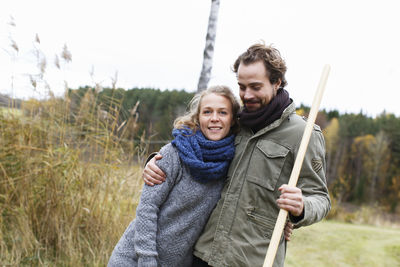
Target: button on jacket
x,y
239,229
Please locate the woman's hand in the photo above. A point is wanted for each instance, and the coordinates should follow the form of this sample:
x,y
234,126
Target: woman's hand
x,y
288,230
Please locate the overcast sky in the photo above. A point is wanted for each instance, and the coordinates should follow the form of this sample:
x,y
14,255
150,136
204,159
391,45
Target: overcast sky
x,y
159,44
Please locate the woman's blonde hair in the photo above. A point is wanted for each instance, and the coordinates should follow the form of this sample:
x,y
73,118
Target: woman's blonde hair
x,y
191,118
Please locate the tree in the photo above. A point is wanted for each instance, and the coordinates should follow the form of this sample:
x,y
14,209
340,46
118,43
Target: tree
x,y
361,165
331,134
209,49
380,154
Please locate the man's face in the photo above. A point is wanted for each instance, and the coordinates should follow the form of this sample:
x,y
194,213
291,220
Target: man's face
x,y
256,90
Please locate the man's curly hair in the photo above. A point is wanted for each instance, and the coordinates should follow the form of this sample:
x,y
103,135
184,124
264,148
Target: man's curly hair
x,y
270,56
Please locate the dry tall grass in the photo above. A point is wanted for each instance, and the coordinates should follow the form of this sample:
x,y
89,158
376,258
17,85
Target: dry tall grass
x,y
68,187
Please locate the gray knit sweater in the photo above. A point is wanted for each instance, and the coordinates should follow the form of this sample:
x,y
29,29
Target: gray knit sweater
x,y
169,218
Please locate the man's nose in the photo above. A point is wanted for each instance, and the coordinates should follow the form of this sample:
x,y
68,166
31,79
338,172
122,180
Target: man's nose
x,y
248,94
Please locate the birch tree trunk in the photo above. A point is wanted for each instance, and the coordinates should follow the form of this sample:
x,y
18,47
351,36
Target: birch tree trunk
x,y
209,49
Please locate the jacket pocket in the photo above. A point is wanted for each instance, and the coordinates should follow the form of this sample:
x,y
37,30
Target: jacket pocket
x,y
265,223
266,164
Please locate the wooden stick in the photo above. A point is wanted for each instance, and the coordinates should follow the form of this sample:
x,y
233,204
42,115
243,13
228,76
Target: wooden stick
x,y
294,176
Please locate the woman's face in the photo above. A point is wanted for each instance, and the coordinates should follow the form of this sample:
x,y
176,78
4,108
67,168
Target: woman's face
x,y
215,116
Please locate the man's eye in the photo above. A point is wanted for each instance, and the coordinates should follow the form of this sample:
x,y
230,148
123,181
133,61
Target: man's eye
x,y
206,112
223,112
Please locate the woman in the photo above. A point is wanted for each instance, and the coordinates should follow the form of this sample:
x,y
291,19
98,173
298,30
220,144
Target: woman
x,y
171,216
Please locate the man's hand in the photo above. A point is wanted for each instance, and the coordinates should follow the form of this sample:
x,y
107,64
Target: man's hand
x,y
291,199
288,230
151,173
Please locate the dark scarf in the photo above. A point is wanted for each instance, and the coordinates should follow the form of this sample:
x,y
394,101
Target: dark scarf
x,y
207,160
266,115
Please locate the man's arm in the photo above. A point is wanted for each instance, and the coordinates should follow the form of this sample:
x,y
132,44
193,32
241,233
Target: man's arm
x,y
312,195
152,174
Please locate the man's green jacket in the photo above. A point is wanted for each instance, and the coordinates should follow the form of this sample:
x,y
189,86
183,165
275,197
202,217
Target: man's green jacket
x,y
239,229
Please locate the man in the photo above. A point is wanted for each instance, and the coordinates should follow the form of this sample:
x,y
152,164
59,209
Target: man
x,y
239,229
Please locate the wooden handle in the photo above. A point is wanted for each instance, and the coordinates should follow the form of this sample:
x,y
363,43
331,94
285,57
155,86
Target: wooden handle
x,y
294,176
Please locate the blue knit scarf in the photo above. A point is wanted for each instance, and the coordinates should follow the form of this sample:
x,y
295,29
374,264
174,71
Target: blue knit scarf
x,y
207,160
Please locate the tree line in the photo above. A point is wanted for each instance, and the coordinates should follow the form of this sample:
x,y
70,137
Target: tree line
x,y
362,152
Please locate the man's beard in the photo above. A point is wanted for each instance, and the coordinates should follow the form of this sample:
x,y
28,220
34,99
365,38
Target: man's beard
x,y
266,113
261,102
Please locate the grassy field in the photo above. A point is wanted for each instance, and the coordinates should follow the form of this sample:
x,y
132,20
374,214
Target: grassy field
x,y
10,111
332,243
69,184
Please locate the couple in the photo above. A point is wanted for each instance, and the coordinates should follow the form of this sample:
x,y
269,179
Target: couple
x,y
223,190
